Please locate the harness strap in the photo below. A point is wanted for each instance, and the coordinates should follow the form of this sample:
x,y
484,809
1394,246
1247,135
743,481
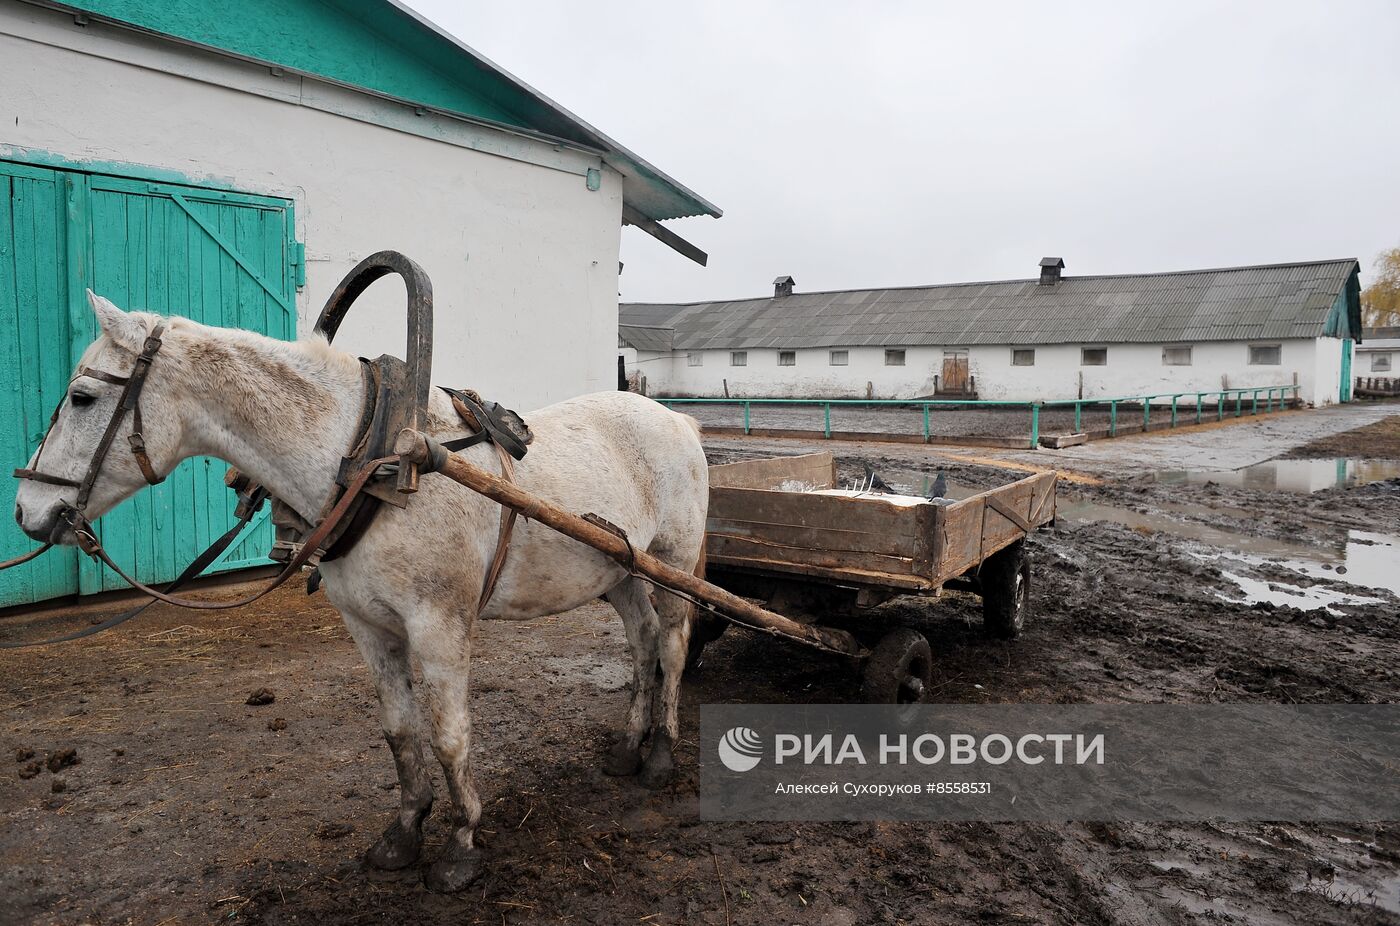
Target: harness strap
x,y
508,516
103,375
130,399
93,547
137,440
201,563
36,476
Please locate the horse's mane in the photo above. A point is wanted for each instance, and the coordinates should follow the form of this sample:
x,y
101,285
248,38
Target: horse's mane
x,y
309,353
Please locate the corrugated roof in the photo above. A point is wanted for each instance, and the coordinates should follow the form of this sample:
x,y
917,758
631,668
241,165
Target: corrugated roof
x,y
1225,304
645,337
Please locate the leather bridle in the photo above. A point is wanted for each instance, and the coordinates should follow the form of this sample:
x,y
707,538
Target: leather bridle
x,y
130,402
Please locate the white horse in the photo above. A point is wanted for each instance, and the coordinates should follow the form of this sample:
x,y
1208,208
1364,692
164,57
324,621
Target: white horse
x,y
284,413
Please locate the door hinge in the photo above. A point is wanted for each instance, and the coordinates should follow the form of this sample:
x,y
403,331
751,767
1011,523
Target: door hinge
x,y
299,264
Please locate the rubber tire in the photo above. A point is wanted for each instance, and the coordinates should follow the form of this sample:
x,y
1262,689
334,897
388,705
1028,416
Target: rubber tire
x,y
901,655
1005,578
704,628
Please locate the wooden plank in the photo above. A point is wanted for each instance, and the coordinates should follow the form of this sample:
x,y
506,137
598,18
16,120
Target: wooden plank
x,y
815,469
839,576
926,541
958,534
999,529
866,514
663,234
1061,441
972,530
838,560
34,357
887,544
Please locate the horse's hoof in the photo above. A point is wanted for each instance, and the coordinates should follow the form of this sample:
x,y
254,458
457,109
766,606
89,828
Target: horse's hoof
x,y
397,848
622,761
658,770
454,870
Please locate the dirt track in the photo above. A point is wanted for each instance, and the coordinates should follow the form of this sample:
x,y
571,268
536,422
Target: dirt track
x,y
189,805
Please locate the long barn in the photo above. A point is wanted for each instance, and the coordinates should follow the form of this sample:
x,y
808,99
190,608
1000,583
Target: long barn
x,y
1048,337
231,162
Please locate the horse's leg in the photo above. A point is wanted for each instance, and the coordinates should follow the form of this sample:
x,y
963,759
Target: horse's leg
x,y
442,644
675,637
633,605
387,658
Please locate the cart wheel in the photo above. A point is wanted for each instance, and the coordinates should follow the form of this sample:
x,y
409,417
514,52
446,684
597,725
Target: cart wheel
x,y
1006,591
704,628
899,670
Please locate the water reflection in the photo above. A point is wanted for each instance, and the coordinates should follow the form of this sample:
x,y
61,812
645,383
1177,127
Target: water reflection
x,y
1290,475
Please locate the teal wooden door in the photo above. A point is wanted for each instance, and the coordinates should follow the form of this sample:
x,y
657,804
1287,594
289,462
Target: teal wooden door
x,y
34,359
217,257
1344,390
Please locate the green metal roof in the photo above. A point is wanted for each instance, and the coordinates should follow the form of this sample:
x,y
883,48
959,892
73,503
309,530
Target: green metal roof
x,y
385,47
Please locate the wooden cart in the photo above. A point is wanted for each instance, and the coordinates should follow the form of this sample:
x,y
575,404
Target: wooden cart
x,y
773,535
811,556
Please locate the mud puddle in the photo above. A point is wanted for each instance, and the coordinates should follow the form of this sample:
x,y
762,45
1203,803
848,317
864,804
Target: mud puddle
x,y
1261,569
1368,561
1304,476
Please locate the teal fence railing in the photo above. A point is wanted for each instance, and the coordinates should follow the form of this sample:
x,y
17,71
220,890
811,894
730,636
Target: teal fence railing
x,y
1274,398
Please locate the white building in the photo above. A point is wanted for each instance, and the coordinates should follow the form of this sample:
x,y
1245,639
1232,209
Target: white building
x,y
1054,337
1379,354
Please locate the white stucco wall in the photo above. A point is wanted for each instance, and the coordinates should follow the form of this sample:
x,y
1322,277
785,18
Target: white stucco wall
x,y
530,319
1366,359
1132,369
811,377
1324,387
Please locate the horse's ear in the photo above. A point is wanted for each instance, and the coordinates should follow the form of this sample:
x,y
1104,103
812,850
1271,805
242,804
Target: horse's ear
x,y
126,331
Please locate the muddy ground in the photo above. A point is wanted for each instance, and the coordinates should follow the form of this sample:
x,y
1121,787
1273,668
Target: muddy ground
x,y
183,803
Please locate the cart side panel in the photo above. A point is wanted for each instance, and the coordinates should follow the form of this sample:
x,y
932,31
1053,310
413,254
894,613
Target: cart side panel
x,y
795,532
973,529
817,470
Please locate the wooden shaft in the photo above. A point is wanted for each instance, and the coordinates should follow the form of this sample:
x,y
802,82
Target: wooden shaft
x,y
418,448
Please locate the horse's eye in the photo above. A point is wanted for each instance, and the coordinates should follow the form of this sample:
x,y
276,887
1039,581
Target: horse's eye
x,y
79,399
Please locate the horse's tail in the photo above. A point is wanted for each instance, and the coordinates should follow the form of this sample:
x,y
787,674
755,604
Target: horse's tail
x,y
699,570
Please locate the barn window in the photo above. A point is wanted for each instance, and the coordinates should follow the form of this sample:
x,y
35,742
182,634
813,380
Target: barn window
x,y
738,358
787,358
839,358
894,358
1267,355
1380,363
1176,356
1023,357
695,359
1093,356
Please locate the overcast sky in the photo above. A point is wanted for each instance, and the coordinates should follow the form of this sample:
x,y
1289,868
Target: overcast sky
x,y
857,145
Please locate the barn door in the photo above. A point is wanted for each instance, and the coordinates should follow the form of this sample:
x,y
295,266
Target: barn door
x,y
34,359
954,378
1345,386
218,258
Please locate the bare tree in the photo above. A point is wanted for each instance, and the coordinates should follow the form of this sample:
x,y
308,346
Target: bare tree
x,y
1380,302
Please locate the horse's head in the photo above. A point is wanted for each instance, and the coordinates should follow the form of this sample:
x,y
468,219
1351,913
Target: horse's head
x,y
84,448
